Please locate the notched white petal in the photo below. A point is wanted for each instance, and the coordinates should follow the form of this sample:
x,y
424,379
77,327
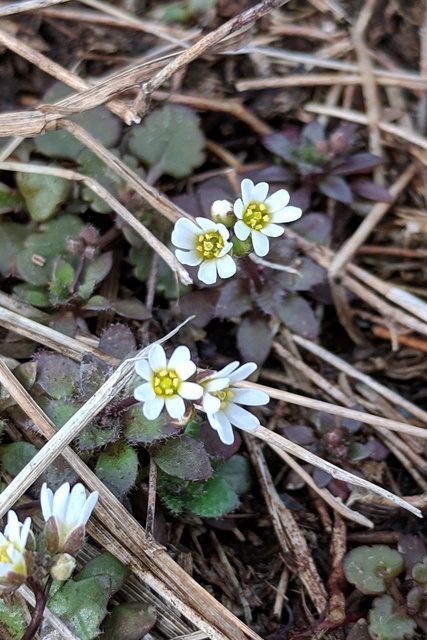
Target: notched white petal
x,y
277,200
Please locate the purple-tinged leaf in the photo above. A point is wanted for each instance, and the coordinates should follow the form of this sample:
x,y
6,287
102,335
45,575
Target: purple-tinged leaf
x,y
234,299
313,132
183,458
93,374
336,188
213,445
279,144
188,203
359,631
299,433
413,550
293,481
351,425
298,316
321,478
271,296
314,227
371,191
200,304
339,489
358,163
56,375
377,450
131,308
254,339
117,341
357,451
272,174
302,197
309,274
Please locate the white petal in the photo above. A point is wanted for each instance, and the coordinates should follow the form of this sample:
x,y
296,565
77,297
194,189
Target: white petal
x,y
191,258
288,214
240,417
175,407
251,397
223,231
277,200
184,234
246,188
24,532
227,370
184,225
157,357
206,225
241,230
60,501
207,272
222,425
238,208
12,528
75,505
152,409
273,230
242,372
190,391
259,192
185,369
143,369
88,507
211,404
226,267
216,384
46,501
260,243
144,393
180,354
226,249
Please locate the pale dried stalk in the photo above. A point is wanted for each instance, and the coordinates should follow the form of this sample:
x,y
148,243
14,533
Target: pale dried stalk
x,y
26,5
336,504
121,211
287,530
324,79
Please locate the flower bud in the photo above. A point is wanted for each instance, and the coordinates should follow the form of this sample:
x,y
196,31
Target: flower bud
x,y
242,248
75,246
222,211
89,234
63,567
187,416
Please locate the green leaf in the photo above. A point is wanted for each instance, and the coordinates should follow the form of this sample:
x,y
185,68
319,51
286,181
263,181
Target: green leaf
x,y
60,411
131,308
237,473
170,139
14,456
13,236
130,621
12,623
368,568
117,341
32,294
95,436
10,200
117,467
388,622
91,165
94,272
166,282
82,605
57,375
97,303
419,572
43,194
211,499
106,564
136,427
182,458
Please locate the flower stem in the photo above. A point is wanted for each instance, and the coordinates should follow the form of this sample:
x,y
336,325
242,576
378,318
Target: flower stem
x,y
77,275
252,270
118,407
41,596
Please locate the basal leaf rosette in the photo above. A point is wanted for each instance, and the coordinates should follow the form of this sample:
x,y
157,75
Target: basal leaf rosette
x,y
66,514
222,400
166,382
16,562
205,245
260,216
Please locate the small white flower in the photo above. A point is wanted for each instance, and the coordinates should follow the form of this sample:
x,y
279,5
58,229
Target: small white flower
x,y
66,514
221,400
259,215
222,211
166,382
206,244
15,562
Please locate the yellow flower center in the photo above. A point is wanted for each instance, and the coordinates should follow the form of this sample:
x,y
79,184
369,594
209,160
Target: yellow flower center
x,y
210,244
4,556
256,216
225,396
166,382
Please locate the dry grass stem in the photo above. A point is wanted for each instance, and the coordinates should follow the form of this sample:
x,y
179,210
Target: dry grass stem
x,y
26,5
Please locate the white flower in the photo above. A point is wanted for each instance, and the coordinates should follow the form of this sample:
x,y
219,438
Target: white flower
x,y
166,382
15,562
66,514
258,214
221,400
222,211
206,244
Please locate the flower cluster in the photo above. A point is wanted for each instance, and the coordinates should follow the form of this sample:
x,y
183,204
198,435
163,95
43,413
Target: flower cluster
x,y
66,514
255,218
166,385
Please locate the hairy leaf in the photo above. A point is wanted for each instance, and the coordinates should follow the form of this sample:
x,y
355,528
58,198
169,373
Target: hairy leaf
x,y
183,458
